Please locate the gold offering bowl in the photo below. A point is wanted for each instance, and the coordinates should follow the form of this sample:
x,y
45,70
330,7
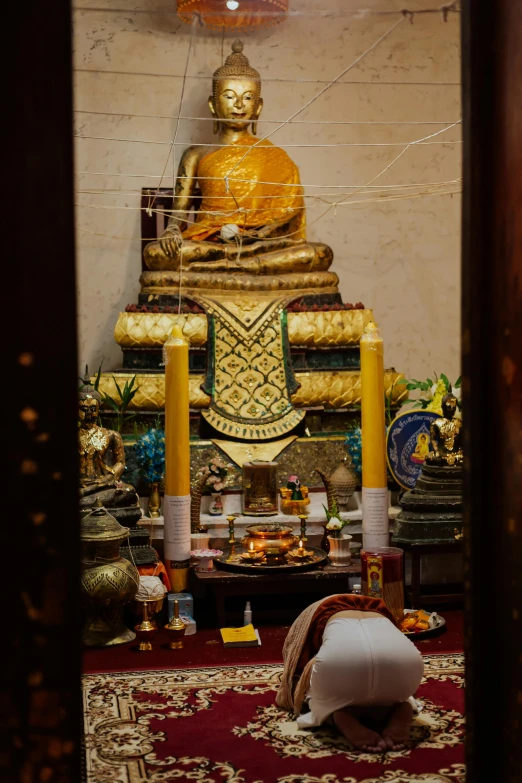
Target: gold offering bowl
x,y
272,540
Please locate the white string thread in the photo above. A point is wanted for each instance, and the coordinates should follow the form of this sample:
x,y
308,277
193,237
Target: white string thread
x,y
172,148
321,92
279,146
274,122
267,79
291,13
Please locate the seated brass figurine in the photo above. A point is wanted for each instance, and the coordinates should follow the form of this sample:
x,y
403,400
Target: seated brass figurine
x,y
102,457
102,462
445,435
246,194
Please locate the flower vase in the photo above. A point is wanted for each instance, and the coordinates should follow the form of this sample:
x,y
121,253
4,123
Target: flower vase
x,y
216,504
154,500
340,553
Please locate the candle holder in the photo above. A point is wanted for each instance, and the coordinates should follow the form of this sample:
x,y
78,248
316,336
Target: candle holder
x,y
176,629
302,534
300,553
252,555
146,630
231,530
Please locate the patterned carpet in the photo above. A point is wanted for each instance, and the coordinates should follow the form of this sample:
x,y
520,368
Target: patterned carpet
x,y
221,724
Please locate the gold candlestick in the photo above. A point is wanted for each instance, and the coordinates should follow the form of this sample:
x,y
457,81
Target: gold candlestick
x,y
231,531
176,629
303,518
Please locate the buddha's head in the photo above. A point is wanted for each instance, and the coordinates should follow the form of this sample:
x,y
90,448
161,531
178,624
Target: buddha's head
x,y
449,405
236,92
88,403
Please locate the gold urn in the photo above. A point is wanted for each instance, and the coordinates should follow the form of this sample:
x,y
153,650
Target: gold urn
x,y
108,580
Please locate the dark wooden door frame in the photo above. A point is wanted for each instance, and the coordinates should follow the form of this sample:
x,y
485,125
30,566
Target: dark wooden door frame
x,y
492,364
42,697
41,706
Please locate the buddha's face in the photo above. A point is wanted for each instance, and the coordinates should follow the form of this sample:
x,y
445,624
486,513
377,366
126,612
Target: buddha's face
x,y
88,410
449,406
236,102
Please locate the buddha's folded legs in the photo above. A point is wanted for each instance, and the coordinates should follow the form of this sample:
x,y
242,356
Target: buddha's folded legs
x,y
269,256
306,257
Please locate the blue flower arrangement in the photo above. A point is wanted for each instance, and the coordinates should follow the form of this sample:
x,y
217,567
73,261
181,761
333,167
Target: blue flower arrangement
x,y
353,443
150,454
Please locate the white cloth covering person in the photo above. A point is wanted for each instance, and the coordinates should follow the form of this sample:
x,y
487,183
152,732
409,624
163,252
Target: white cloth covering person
x,y
364,661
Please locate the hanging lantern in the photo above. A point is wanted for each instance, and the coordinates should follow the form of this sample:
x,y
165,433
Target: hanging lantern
x,y
242,14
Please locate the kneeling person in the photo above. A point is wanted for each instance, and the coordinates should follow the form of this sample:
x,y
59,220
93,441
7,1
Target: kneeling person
x,y
346,660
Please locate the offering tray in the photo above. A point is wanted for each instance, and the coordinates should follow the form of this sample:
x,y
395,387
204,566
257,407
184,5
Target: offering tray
x,y
231,560
440,622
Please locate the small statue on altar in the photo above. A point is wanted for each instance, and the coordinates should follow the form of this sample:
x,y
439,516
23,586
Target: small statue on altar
x,y
246,193
102,457
445,435
102,462
294,497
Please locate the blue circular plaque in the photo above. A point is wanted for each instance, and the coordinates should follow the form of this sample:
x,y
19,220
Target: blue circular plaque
x,y
407,444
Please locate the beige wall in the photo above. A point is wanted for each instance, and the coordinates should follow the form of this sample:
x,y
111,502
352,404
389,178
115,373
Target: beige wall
x,y
400,257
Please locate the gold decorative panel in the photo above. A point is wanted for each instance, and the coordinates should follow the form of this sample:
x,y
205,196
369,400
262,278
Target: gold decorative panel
x,y
151,330
328,328
335,390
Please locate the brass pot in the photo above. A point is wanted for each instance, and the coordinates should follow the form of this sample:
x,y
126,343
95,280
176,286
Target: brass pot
x,y
274,540
108,580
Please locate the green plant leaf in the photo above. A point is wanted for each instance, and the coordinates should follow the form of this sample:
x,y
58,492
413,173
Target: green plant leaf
x,y
117,387
445,379
111,403
98,376
458,382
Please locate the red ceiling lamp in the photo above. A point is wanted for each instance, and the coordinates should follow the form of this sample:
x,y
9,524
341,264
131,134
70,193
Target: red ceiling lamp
x,y
239,14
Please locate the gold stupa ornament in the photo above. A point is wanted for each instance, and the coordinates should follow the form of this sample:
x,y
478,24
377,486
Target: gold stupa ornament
x,y
240,14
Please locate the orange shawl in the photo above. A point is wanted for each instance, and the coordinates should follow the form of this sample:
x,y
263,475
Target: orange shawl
x,y
262,189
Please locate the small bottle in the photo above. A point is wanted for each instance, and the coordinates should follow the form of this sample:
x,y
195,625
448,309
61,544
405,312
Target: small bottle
x,y
247,617
356,590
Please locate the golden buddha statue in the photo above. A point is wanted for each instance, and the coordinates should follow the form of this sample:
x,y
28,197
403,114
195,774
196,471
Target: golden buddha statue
x,y
445,435
247,198
250,292
102,457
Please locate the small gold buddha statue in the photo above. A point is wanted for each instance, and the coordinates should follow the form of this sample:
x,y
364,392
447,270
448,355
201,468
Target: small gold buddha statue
x,y
246,194
102,458
445,435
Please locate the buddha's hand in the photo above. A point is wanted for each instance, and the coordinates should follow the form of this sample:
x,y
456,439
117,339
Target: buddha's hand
x,y
170,243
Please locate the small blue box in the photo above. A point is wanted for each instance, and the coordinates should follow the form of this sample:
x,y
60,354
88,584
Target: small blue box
x,y
186,604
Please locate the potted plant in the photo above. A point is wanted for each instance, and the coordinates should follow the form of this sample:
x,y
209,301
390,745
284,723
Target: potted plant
x,y
340,552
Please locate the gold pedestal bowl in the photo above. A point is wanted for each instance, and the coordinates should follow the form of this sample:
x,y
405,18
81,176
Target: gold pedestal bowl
x,y
273,540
